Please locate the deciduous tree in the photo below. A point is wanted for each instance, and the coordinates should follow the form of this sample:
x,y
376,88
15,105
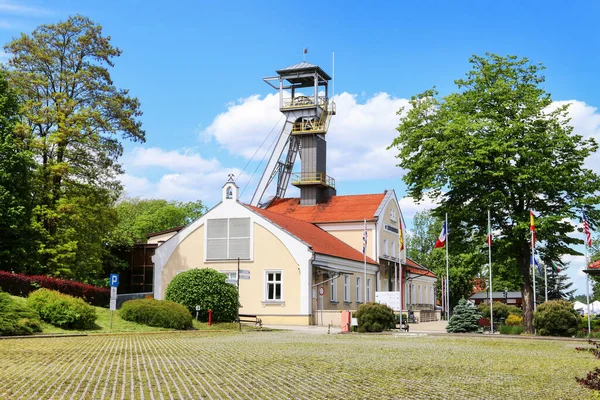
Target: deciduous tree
x,y
498,143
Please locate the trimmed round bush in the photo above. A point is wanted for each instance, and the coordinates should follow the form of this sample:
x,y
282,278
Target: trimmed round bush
x,y
464,318
16,318
513,320
62,310
205,288
375,317
556,318
160,313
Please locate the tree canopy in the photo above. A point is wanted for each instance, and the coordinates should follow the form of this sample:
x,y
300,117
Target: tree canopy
x,y
72,119
499,143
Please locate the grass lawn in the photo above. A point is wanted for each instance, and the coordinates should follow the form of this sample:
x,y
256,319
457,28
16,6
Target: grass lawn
x,y
279,364
121,326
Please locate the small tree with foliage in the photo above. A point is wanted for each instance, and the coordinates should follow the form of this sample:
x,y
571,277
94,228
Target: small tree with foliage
x,y
556,318
375,317
501,310
464,319
205,288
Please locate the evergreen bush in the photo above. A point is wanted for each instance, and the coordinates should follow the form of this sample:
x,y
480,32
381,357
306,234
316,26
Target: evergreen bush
x,y
510,329
556,318
205,288
375,317
160,313
464,318
16,318
62,310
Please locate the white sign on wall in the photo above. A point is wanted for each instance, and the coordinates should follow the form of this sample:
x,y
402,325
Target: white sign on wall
x,y
391,299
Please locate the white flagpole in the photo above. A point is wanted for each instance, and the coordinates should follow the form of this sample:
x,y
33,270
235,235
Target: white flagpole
x,y
447,275
365,259
491,287
587,283
533,269
546,280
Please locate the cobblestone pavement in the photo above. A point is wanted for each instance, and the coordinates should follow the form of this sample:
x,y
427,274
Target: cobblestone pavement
x,y
289,365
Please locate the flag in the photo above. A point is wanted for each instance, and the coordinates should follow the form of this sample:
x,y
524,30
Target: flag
x,y
442,239
365,239
537,265
401,240
586,230
554,267
532,227
488,239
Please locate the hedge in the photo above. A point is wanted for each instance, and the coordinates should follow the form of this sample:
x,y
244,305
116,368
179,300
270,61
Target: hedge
x,y
375,317
16,318
62,310
160,313
21,285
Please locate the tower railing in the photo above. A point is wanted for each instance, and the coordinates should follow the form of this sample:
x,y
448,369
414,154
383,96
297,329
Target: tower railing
x,y
304,101
314,125
312,178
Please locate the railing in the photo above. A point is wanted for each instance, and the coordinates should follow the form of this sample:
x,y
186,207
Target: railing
x,y
312,125
303,101
311,178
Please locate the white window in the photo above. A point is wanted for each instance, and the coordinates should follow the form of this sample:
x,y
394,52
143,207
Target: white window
x,y
333,289
393,215
274,286
358,290
228,239
420,297
393,249
385,247
430,295
231,277
413,294
368,290
347,288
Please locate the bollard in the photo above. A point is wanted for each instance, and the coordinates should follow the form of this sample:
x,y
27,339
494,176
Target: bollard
x,y
209,317
328,328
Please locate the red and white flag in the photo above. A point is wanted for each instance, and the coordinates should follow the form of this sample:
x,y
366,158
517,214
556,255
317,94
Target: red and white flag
x,y
443,236
586,230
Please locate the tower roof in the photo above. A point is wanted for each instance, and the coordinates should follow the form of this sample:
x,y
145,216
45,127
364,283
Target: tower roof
x,y
303,67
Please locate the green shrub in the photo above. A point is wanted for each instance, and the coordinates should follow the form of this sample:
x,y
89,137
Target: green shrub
x,y
375,317
205,288
513,320
501,310
511,329
556,318
62,310
595,323
16,318
152,312
464,318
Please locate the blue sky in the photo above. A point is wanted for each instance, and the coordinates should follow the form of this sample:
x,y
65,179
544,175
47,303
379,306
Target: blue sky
x,y
197,68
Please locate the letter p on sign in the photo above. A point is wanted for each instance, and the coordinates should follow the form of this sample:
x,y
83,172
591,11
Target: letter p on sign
x,y
114,280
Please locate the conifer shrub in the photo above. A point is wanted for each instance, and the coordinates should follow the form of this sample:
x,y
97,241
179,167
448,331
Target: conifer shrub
x,y
62,310
556,318
205,288
464,318
160,313
16,318
375,317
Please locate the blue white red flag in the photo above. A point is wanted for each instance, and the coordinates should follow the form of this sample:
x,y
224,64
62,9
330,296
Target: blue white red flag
x,y
442,238
586,230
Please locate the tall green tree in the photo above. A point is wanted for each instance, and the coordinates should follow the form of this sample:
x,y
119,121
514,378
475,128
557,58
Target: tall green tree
x,y
73,119
139,217
16,164
497,144
559,284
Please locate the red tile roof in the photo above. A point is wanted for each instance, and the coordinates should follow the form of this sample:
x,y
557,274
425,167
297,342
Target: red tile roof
x,y
418,269
594,265
320,241
336,209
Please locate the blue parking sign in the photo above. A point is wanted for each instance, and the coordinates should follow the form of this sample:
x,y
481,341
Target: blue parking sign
x,y
114,280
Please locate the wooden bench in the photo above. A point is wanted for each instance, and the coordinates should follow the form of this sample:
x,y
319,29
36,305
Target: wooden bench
x,y
253,319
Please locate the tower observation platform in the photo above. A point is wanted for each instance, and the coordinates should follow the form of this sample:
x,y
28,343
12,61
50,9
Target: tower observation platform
x,y
304,101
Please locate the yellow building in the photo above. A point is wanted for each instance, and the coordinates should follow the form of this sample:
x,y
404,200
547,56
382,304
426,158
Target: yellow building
x,y
305,263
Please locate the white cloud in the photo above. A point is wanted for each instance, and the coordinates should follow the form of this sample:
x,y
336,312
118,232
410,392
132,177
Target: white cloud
x,y
585,121
10,7
182,175
409,207
356,141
